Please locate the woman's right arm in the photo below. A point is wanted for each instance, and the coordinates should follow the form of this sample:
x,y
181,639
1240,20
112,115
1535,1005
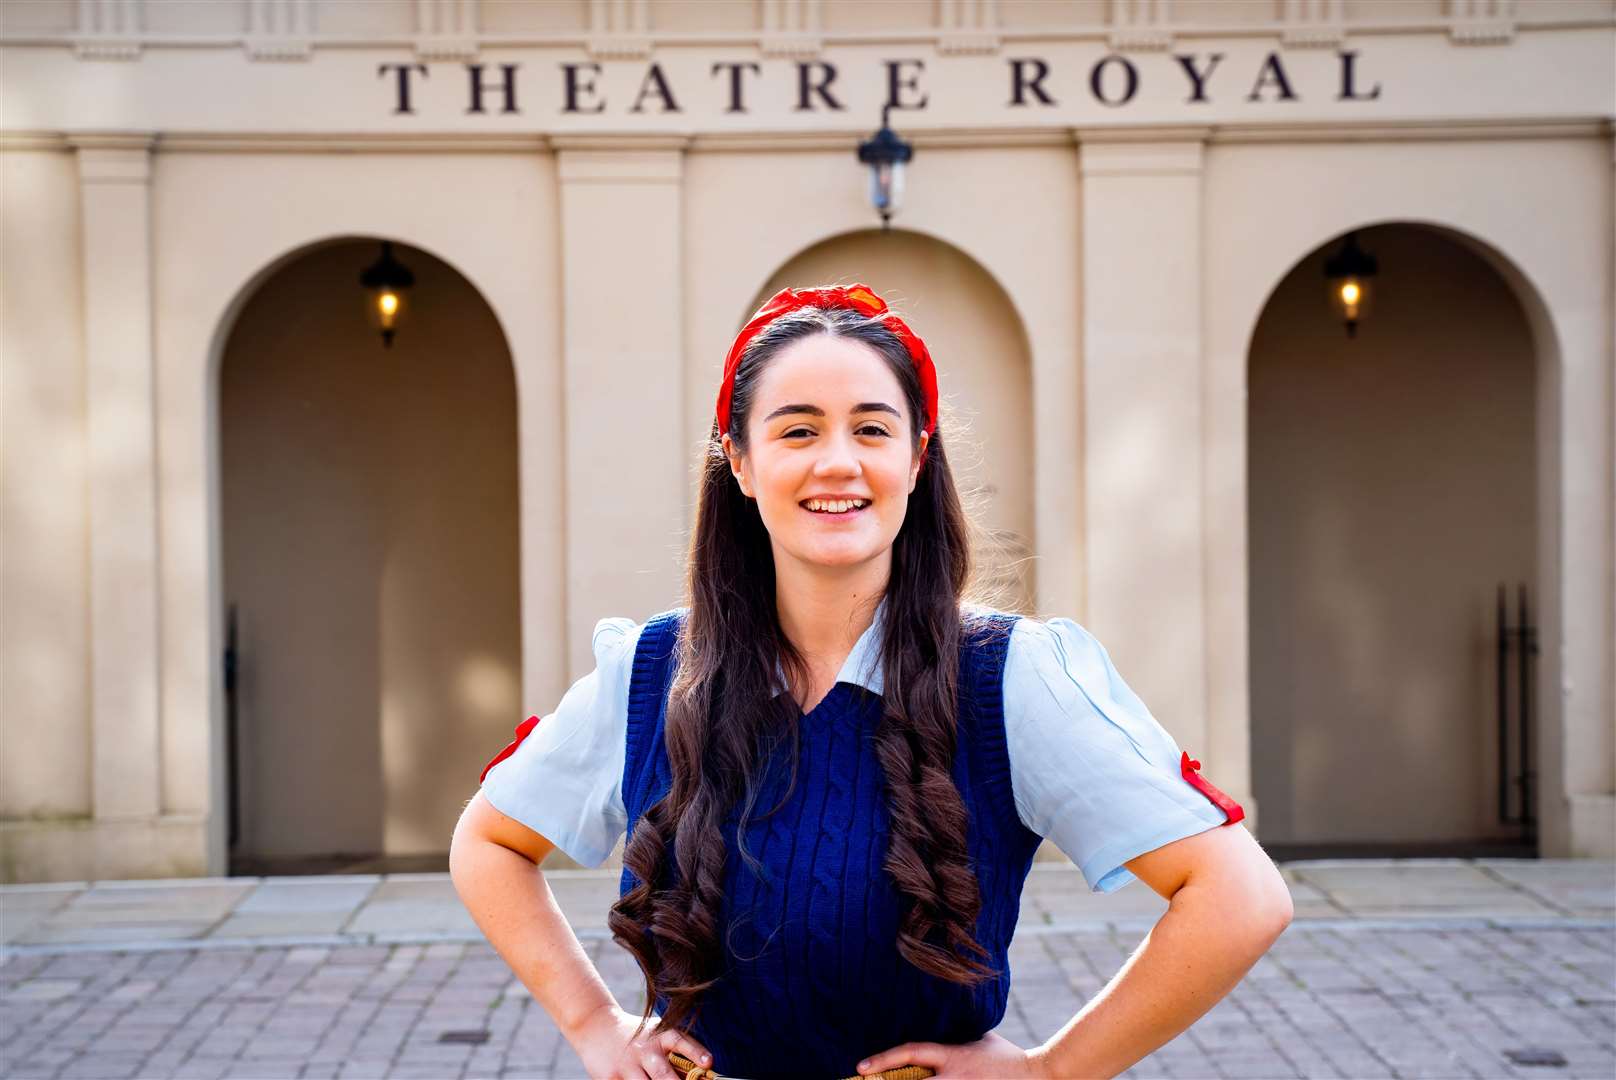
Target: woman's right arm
x,y
494,864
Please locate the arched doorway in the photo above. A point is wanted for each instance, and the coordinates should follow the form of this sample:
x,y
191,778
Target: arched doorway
x,y
983,380
368,500
1392,488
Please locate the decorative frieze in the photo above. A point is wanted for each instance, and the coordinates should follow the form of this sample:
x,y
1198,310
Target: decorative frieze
x,y
1318,24
619,30
1141,25
1481,22
446,29
792,29
967,26
279,29
107,30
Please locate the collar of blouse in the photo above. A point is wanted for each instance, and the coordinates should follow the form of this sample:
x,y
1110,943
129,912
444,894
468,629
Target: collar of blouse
x,y
862,666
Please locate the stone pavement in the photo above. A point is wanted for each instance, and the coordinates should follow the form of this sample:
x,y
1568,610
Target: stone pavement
x,y
1392,968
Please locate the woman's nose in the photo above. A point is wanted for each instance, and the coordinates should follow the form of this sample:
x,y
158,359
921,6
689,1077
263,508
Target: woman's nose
x,y
839,457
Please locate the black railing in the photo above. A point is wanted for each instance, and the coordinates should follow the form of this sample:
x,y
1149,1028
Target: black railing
x,y
231,736
1518,642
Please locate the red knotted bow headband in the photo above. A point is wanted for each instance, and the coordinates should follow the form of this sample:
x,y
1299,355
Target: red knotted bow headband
x,y
860,298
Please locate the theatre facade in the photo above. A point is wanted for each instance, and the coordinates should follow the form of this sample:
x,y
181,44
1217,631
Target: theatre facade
x,y
278,580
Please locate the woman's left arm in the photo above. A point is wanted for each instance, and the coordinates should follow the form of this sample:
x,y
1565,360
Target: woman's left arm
x,y
1227,904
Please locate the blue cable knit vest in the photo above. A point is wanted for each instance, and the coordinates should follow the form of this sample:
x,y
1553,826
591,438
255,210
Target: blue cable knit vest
x,y
813,980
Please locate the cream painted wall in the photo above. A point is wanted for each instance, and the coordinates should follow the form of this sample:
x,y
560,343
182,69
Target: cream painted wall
x,y
370,546
983,378
1392,487
250,158
44,547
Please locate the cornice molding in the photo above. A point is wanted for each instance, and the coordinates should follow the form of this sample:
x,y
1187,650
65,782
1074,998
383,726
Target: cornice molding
x,y
846,141
1520,127
226,142
763,41
1144,133
627,140
33,141
110,140
958,138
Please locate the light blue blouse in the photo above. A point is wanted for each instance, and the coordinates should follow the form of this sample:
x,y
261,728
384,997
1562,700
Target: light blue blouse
x,y
1090,768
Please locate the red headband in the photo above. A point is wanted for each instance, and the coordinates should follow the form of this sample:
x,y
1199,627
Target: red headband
x,y
860,298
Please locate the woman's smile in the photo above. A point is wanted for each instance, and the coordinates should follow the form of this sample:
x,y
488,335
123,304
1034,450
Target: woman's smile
x,y
843,508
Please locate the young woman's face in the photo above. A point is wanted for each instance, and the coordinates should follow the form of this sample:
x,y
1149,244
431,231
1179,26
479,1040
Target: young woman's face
x,y
828,426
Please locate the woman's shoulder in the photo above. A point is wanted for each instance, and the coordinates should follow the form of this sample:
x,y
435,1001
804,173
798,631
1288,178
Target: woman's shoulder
x,y
1024,627
1026,624
620,630
1036,645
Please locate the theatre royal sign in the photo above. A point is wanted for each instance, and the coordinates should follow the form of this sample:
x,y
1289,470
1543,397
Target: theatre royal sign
x,y
1026,83
750,86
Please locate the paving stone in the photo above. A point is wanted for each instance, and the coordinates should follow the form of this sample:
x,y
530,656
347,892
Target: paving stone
x,y
1347,997
102,1067
24,907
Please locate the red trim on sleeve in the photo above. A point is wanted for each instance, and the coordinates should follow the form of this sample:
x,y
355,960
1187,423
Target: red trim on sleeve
x,y
523,730
1233,809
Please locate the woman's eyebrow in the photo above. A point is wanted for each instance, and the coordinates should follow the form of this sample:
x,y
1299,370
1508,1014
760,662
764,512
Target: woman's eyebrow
x,y
815,410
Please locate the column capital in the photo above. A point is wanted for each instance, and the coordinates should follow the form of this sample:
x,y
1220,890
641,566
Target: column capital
x,y
113,157
1133,157
640,160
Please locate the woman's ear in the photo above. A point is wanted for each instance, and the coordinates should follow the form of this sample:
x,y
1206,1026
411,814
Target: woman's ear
x,y
735,464
914,470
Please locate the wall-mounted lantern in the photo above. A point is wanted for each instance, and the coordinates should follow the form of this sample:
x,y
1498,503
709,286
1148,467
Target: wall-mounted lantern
x,y
1347,274
385,280
886,155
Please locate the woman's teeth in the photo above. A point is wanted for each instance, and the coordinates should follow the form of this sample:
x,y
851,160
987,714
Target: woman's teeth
x,y
835,506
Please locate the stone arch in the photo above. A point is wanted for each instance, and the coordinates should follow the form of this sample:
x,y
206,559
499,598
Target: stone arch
x,y
1365,458
367,510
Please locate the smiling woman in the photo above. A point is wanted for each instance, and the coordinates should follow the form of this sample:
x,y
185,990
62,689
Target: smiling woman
x,y
832,768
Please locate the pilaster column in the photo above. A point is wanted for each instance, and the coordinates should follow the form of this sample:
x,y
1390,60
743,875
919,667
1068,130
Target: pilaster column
x,y
115,196
623,346
1142,415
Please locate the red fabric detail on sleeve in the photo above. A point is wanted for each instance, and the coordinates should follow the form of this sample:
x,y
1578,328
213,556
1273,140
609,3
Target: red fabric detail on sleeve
x,y
1233,809
523,730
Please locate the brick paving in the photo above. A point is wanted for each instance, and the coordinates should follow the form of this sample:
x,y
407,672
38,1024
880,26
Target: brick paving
x,y
1331,999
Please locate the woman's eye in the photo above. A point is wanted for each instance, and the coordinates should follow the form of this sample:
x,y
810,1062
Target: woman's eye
x,y
873,429
866,429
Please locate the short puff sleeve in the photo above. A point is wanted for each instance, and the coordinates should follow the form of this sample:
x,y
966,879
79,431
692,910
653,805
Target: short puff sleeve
x,y
563,776
1091,769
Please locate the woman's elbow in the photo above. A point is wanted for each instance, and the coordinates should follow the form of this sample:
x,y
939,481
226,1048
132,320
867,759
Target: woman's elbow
x,y
1284,907
1277,908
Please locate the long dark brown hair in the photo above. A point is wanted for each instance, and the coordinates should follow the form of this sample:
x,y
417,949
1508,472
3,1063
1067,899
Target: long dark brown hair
x,y
722,713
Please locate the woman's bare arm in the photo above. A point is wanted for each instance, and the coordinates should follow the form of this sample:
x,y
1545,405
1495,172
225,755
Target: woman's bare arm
x,y
494,864
1227,904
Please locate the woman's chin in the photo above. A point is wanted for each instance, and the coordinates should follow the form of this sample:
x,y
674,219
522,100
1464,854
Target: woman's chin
x,y
835,555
